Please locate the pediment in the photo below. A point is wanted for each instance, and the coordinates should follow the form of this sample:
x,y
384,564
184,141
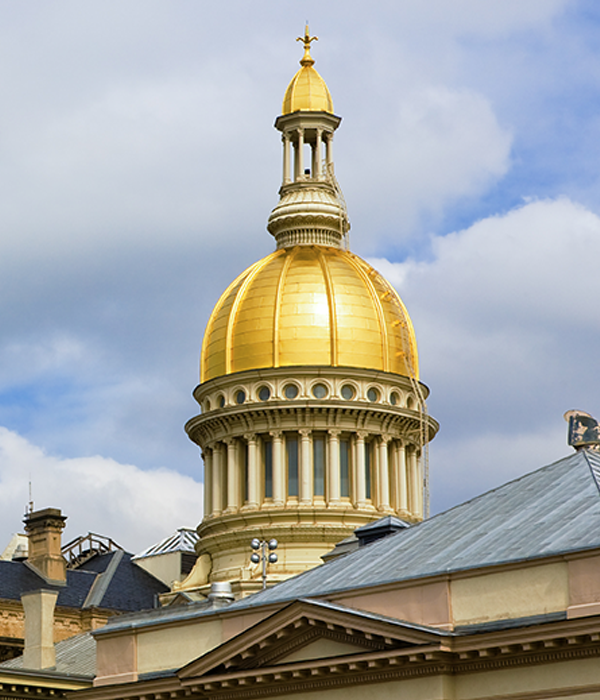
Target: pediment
x,y
321,648
304,631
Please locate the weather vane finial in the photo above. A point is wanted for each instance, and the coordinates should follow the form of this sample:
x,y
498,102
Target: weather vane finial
x,y
307,59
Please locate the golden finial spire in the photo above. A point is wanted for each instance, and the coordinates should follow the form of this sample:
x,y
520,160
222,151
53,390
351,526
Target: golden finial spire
x,y
307,59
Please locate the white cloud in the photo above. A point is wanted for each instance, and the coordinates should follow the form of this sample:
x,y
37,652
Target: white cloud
x,y
436,146
133,506
507,322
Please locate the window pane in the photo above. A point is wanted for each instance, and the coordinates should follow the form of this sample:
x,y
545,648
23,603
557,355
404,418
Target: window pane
x,y
319,465
268,462
345,468
368,469
292,463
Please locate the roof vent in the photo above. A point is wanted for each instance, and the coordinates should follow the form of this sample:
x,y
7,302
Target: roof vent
x,y
378,529
584,430
221,593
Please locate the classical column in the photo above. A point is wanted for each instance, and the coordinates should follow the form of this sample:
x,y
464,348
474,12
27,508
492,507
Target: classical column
x,y
317,156
361,485
286,158
334,467
329,153
233,488
402,480
207,458
278,468
306,486
413,475
384,474
253,478
300,155
217,479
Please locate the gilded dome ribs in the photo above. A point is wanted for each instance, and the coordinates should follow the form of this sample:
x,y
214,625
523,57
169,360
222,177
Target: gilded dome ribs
x,y
239,298
331,304
378,309
210,326
276,311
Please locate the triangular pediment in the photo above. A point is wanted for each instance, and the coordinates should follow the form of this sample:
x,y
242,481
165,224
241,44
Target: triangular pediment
x,y
322,648
304,631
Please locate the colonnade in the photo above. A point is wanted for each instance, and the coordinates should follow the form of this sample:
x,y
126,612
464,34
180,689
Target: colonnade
x,y
330,468
296,139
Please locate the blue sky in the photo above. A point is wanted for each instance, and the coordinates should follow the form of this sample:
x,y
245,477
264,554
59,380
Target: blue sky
x,y
139,164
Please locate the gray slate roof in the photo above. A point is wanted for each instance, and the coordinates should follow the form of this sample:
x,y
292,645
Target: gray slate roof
x,y
111,581
551,511
74,657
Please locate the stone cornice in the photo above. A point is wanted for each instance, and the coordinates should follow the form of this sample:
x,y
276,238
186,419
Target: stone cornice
x,y
527,646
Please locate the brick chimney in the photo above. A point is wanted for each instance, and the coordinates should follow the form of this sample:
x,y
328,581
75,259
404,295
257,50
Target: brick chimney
x,y
44,528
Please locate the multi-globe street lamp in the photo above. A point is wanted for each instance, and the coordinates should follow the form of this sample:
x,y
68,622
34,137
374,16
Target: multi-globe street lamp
x,y
263,552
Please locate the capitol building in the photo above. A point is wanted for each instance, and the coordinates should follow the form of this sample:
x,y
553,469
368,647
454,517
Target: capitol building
x,y
313,428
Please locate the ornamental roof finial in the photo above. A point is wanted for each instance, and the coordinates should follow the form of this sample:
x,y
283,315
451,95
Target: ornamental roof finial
x,y
307,59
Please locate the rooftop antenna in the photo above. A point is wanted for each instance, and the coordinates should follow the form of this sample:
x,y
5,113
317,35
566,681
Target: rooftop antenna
x,y
30,504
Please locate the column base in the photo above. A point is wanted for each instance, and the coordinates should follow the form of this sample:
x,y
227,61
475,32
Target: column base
x,y
248,506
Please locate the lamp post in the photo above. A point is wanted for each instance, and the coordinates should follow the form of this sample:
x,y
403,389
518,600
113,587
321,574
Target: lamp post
x,y
263,552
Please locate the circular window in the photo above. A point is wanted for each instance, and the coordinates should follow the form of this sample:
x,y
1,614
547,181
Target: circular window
x,y
394,398
319,391
347,392
264,393
221,401
290,391
240,397
373,394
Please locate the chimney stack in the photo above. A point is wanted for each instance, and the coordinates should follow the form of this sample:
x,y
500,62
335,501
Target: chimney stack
x,y
39,650
44,529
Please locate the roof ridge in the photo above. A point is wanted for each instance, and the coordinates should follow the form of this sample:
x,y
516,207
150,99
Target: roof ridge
x,y
102,582
594,468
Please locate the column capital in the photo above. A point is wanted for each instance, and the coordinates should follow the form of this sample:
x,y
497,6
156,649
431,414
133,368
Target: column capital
x,y
305,432
334,433
276,434
250,437
385,439
228,441
361,434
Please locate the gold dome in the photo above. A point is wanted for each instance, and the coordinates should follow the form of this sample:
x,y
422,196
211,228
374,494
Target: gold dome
x,y
309,305
307,91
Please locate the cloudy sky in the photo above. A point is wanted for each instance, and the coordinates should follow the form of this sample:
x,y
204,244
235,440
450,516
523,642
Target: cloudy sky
x,y
138,166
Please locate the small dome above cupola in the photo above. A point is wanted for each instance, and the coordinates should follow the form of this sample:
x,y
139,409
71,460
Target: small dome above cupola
x,y
307,91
